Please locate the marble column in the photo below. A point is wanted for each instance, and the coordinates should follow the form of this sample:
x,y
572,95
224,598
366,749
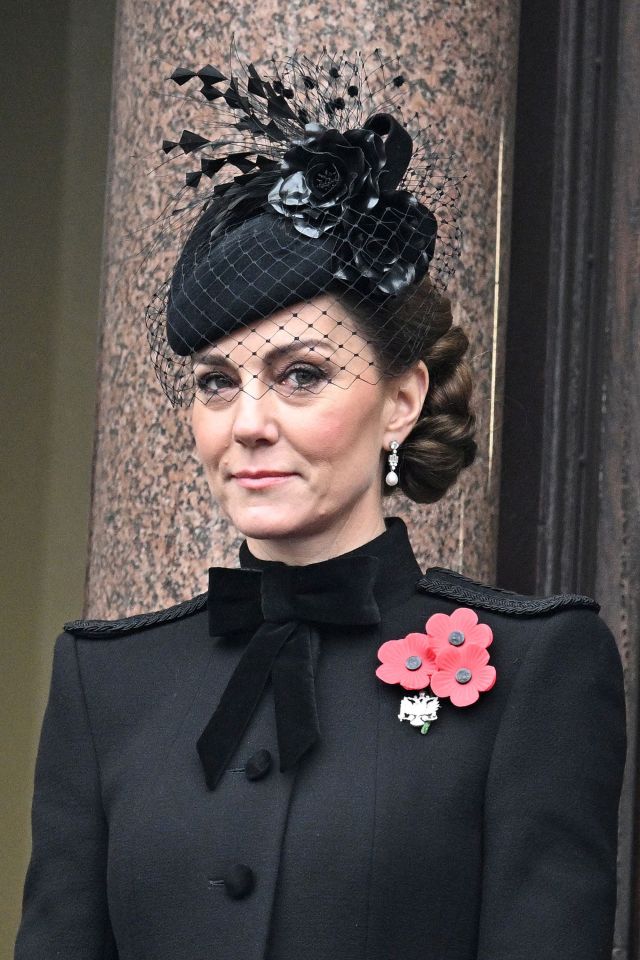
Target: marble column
x,y
154,528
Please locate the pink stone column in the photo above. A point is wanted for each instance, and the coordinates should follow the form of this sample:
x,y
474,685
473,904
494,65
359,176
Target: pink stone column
x,y
154,528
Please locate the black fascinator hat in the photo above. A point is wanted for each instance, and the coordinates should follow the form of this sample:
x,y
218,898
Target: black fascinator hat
x,y
336,195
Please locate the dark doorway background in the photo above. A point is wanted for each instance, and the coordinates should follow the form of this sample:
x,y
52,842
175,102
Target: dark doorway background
x,y
56,97
570,484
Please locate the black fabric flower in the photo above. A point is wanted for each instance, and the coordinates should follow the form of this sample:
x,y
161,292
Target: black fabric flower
x,y
338,188
325,173
388,248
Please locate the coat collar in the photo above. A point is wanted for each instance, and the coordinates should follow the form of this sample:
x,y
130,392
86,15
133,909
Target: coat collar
x,y
397,569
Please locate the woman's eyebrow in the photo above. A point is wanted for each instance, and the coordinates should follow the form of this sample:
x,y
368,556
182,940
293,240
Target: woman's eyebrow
x,y
274,353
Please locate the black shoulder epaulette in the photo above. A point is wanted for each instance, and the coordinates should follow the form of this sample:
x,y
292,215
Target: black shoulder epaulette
x,y
455,586
103,629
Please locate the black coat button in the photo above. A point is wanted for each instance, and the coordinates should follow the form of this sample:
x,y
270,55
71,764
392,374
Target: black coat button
x,y
258,765
239,881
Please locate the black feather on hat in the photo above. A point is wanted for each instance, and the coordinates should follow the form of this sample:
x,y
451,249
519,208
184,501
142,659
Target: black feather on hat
x,y
327,199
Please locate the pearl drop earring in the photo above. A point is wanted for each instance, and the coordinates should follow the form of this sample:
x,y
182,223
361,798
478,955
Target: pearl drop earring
x,y
392,477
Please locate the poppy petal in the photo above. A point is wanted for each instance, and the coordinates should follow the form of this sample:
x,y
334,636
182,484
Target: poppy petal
x,y
414,644
475,656
390,652
451,658
437,624
463,618
416,679
442,683
437,643
388,672
482,634
463,694
485,677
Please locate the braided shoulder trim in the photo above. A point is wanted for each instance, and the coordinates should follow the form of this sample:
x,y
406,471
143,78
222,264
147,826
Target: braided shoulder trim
x,y
455,586
101,629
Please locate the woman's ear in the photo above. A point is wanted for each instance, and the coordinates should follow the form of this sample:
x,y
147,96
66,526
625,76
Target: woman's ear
x,y
406,396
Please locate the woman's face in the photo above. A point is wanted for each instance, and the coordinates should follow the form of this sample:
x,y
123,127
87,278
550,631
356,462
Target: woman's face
x,y
298,452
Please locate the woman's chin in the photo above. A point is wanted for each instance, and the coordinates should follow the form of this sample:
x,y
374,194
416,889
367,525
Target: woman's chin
x,y
269,521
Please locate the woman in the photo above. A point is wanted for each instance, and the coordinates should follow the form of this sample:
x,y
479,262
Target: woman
x,y
316,758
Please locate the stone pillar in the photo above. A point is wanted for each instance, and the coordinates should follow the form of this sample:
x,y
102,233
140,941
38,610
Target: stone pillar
x,y
154,528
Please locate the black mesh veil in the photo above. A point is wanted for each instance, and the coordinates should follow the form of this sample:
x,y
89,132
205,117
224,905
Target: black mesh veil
x,y
320,261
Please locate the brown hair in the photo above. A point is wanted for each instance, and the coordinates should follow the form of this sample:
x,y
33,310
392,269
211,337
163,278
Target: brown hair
x,y
442,441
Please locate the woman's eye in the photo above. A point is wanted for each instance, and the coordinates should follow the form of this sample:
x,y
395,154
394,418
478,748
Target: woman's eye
x,y
214,383
303,377
295,379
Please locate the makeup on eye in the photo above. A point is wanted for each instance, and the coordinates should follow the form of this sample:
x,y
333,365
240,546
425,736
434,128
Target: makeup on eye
x,y
212,366
312,375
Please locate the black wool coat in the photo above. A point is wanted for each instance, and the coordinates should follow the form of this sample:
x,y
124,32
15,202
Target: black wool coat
x,y
492,837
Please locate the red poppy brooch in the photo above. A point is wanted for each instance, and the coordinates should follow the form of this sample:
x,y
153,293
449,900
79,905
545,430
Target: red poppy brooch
x,y
451,657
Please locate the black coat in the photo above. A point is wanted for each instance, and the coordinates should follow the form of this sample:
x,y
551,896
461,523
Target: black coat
x,y
493,837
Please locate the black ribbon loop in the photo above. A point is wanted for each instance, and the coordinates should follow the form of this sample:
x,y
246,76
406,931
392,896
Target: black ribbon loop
x,y
219,739
284,605
292,674
398,148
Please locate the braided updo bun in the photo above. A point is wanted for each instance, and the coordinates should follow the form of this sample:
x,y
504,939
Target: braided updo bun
x,y
442,441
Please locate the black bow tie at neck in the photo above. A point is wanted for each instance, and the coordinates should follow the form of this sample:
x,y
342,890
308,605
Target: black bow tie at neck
x,y
284,605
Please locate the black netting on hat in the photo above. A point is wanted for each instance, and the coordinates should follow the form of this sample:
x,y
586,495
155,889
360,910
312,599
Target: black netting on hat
x,y
320,263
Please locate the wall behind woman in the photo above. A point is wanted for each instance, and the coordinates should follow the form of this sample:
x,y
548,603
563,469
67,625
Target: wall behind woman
x,y
154,528
56,60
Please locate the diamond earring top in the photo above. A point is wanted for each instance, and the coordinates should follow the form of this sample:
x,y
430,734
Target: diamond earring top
x,y
392,477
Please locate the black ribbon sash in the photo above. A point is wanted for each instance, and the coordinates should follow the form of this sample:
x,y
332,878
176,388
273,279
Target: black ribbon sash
x,y
285,606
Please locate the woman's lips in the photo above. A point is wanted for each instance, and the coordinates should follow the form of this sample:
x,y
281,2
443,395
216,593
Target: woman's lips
x,y
260,479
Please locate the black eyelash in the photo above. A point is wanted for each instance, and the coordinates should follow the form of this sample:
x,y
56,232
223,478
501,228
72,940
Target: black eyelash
x,y
202,382
317,375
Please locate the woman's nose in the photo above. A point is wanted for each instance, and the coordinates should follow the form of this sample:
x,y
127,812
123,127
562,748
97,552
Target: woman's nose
x,y
254,414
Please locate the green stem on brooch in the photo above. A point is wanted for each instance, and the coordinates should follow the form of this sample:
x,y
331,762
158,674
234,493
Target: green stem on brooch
x,y
425,727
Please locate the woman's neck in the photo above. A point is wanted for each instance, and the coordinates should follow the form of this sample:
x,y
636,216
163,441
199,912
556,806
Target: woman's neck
x,y
313,546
